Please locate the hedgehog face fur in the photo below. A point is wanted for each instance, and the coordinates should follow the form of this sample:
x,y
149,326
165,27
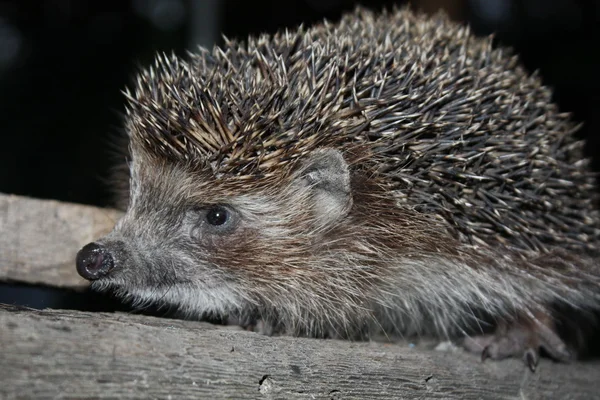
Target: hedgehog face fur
x,y
388,171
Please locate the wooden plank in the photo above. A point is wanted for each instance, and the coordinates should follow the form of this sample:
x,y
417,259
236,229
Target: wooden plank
x,y
40,238
57,354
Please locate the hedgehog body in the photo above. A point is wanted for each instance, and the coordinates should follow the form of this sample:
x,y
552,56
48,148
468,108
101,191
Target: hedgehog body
x,y
387,172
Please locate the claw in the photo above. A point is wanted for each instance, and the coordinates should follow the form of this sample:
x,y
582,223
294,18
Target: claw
x,y
531,359
485,354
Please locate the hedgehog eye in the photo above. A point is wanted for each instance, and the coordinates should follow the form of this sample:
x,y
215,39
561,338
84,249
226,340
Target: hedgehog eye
x,y
211,221
218,216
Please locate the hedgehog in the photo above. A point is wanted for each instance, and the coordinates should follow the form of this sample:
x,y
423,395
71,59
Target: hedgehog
x,y
388,173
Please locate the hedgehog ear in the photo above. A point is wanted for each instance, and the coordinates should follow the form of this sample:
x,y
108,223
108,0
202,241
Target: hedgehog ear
x,y
326,173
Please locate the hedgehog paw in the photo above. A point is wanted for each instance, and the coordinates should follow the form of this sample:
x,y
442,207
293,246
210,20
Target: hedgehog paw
x,y
507,345
523,340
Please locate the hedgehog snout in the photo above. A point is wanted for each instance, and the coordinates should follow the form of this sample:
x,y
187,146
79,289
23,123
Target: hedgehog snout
x,y
94,261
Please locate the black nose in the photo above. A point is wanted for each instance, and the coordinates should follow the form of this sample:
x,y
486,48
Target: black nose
x,y
94,261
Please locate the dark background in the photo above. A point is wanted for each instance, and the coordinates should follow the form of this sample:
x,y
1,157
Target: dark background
x,y
63,64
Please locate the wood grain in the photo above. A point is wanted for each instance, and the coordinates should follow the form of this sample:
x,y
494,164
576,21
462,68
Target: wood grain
x,y
66,354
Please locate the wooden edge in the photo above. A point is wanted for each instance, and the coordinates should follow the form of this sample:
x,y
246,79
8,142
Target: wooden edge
x,y
40,238
52,353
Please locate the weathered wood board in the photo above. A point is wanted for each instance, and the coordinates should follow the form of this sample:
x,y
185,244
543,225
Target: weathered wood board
x,y
64,354
40,238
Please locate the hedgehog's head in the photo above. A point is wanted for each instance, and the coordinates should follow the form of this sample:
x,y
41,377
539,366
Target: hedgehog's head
x,y
207,244
227,200
248,192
